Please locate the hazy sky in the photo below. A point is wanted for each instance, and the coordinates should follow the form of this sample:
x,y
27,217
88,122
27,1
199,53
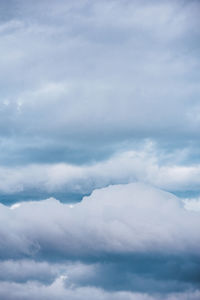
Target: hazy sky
x,y
99,98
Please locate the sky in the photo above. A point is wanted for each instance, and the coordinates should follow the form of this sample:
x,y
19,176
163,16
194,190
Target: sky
x,y
99,149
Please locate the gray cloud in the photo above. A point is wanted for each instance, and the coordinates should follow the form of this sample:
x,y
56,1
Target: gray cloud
x,y
95,73
57,290
136,273
148,165
85,88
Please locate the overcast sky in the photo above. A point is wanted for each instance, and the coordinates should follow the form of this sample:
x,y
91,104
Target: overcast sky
x,y
99,149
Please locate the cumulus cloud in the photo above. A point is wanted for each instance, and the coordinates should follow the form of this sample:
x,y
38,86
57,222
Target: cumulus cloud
x,y
119,219
127,241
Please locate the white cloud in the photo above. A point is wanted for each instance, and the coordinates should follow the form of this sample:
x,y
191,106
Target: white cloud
x,y
118,219
192,204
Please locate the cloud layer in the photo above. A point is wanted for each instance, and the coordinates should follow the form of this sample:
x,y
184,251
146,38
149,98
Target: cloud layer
x,y
95,97
121,242
78,79
57,290
118,219
169,172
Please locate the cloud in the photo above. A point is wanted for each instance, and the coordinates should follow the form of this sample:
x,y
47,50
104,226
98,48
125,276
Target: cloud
x,y
192,204
83,85
139,274
147,165
115,220
58,290
59,68
46,272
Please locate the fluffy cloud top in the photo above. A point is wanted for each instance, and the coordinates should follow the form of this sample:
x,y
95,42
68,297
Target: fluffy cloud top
x,y
118,219
123,242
